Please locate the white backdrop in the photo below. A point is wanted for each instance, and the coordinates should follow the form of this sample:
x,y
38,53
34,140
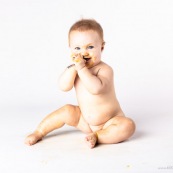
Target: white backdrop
x,y
34,51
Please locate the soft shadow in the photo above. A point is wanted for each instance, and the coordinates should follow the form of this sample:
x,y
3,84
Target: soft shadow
x,y
138,135
62,132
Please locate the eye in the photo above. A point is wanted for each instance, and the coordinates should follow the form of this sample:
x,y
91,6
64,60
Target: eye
x,y
77,48
90,47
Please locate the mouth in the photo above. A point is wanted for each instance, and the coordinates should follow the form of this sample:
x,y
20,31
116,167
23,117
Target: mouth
x,y
86,58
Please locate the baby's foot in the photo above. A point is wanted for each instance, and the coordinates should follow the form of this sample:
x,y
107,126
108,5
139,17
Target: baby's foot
x,y
33,138
91,140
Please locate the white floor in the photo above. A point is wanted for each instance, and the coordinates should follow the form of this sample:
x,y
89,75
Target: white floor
x,y
149,150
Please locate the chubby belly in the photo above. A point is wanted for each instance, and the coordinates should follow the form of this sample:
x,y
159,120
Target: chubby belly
x,y
97,109
98,115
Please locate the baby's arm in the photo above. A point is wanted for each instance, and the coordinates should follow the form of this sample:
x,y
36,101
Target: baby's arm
x,y
66,80
97,84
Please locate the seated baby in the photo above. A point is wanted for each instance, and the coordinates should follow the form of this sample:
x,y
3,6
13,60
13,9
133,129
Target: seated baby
x,y
98,113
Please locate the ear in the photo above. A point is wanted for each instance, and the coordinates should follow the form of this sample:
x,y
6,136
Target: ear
x,y
103,45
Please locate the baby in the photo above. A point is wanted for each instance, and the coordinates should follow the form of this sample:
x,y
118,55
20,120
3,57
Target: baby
x,y
98,113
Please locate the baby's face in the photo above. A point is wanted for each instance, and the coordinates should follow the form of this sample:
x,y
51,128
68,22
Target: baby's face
x,y
88,44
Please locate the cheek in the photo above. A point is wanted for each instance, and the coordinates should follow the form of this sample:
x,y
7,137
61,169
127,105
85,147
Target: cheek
x,y
94,59
91,54
73,50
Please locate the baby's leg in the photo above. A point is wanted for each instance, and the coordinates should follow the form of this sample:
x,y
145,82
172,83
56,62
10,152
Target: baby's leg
x,y
67,114
116,130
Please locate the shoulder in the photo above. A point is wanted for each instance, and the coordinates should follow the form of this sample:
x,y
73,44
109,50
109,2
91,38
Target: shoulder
x,y
104,69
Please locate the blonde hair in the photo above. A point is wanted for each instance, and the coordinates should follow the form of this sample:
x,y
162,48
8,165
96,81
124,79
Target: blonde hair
x,y
85,25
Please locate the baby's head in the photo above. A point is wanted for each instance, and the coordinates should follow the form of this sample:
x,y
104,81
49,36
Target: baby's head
x,y
86,38
86,25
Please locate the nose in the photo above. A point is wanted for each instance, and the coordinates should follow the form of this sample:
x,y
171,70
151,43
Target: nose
x,y
84,52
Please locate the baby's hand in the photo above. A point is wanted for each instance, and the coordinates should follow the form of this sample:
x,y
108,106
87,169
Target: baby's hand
x,y
78,61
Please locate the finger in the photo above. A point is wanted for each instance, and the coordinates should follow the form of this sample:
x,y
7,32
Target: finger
x,y
78,60
73,55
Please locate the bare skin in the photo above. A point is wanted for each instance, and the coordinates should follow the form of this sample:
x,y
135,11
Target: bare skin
x,y
98,114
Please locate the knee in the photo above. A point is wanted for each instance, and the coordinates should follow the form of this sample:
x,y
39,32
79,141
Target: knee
x,y
129,127
70,114
68,108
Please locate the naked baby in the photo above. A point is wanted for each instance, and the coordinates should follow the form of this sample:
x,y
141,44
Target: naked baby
x,y
98,113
